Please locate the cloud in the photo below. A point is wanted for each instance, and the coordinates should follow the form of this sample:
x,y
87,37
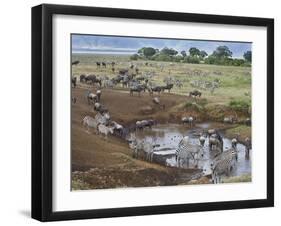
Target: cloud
x,y
132,44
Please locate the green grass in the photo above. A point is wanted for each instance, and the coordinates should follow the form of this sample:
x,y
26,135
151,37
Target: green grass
x,y
237,179
235,81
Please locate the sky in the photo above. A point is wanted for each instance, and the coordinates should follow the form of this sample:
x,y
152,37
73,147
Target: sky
x,y
130,45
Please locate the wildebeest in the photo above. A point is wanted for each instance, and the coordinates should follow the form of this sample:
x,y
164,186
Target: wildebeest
x,y
100,108
104,130
90,122
73,81
144,124
195,93
138,89
234,142
82,78
103,64
117,128
123,71
158,89
168,87
93,79
92,98
98,64
98,93
216,141
189,120
202,139
76,62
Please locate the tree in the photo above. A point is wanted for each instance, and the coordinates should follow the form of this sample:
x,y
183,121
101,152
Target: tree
x,y
147,51
203,54
134,57
168,52
222,52
183,53
194,51
248,56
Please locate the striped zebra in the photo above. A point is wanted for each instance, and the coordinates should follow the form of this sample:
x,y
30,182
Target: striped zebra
x,y
223,165
102,118
182,152
90,122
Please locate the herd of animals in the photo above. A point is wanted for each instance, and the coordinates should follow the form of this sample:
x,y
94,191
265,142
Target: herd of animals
x,y
102,123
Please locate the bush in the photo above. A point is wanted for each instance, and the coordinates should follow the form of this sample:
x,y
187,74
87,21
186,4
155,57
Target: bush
x,y
134,57
240,105
192,59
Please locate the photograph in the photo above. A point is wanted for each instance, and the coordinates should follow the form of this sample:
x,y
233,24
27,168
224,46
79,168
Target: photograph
x,y
152,111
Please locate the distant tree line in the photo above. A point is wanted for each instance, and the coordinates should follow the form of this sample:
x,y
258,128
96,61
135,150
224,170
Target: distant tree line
x,y
220,56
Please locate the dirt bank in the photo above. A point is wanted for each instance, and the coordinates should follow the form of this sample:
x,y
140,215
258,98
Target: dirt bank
x,y
105,163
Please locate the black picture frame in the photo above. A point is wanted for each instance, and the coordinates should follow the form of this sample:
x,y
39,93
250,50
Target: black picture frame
x,y
42,111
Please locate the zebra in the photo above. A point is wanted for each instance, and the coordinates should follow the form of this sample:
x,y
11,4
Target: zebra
x,y
182,152
223,164
104,130
90,122
102,118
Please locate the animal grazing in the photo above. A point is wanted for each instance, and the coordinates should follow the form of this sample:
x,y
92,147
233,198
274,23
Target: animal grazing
x,y
98,64
168,87
103,64
76,62
195,93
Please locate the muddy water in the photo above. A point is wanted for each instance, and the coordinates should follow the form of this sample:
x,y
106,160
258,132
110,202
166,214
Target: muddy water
x,y
166,138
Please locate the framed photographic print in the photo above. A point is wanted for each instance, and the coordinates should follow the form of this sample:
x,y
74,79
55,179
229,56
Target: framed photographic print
x,y
146,112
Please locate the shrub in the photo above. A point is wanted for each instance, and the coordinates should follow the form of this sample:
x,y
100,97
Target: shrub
x,y
240,105
134,57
